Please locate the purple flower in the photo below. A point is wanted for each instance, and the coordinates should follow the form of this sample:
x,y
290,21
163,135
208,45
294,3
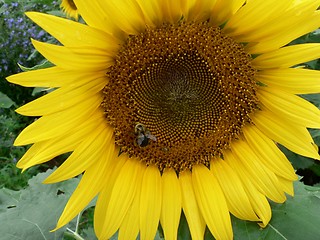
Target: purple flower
x,y
16,31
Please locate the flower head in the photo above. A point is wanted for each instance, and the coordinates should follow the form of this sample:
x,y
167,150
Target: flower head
x,y
70,8
171,106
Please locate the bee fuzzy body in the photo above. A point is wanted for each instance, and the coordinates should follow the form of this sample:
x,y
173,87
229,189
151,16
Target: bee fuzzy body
x,y
143,135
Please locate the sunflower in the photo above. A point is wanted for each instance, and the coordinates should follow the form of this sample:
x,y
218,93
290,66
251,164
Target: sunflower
x,y
69,8
171,106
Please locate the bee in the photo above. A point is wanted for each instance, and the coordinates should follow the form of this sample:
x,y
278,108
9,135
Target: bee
x,y
143,135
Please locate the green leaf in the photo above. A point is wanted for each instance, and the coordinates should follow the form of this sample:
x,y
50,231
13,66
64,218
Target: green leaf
x,y
315,133
8,199
5,101
32,212
115,236
315,168
41,90
297,218
183,231
44,64
313,98
57,13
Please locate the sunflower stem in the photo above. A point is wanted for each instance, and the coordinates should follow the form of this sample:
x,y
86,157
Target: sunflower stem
x,y
77,224
73,234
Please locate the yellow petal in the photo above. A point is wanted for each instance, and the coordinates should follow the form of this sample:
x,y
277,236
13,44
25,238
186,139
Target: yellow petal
x,y
249,163
57,124
152,12
172,10
71,33
231,185
223,10
121,197
270,36
258,201
157,12
269,153
303,16
287,185
90,185
62,98
53,77
31,157
129,228
98,18
100,211
191,210
253,15
276,38
171,204
125,14
194,10
48,149
260,205
211,202
295,138
96,146
150,203
290,106
77,58
293,80
288,56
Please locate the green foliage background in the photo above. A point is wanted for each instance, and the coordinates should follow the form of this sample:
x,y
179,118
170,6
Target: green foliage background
x,y
30,209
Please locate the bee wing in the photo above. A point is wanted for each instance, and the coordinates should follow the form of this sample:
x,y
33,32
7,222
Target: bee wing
x,y
152,137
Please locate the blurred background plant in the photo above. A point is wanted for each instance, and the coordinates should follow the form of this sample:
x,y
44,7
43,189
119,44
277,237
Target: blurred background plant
x,y
22,194
16,49
15,45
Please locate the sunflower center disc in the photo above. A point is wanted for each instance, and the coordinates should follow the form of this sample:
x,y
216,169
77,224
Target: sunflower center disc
x,y
179,94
